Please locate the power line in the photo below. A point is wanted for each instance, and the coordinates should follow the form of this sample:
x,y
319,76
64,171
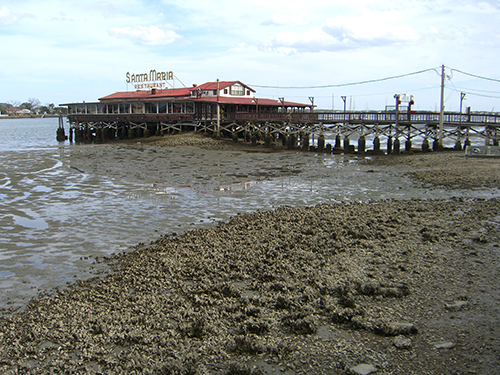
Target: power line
x,y
475,75
346,84
478,90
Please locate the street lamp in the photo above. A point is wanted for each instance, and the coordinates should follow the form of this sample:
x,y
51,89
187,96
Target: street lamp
x,y
344,98
462,98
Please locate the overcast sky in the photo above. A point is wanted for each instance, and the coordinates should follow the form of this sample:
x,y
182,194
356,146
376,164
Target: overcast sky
x,y
72,51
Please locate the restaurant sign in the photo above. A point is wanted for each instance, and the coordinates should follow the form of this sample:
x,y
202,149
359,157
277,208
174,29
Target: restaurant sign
x,y
150,80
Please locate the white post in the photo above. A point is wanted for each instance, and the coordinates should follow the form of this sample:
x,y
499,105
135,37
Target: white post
x,y
441,116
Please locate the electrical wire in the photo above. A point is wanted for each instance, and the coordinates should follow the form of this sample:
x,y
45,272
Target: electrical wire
x,y
478,90
475,75
346,84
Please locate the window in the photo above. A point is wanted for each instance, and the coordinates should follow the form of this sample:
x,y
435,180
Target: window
x,y
237,90
162,107
137,108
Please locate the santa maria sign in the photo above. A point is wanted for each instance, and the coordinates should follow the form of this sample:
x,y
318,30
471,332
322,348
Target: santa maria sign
x,y
149,80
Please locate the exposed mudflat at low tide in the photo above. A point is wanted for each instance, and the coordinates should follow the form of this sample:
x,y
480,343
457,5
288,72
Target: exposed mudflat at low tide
x,y
392,284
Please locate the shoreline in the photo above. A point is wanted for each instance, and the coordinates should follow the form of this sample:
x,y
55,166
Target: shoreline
x,y
404,286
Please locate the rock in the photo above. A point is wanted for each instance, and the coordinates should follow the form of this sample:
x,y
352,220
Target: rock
x,y
455,306
395,329
443,345
402,342
362,369
402,328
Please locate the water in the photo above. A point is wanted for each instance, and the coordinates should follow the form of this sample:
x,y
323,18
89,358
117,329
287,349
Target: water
x,y
63,205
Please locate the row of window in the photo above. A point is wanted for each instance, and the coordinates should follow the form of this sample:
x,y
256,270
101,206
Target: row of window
x,y
235,90
126,108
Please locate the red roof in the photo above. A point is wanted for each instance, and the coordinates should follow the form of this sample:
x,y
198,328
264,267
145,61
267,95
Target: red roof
x,y
250,101
222,85
184,93
150,94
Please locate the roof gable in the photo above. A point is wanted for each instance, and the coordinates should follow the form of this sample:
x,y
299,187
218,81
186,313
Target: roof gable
x,y
222,85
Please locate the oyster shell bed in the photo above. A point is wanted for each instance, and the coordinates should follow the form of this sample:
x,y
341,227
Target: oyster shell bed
x,y
386,287
315,290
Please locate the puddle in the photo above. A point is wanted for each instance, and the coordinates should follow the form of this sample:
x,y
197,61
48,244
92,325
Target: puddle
x,y
60,205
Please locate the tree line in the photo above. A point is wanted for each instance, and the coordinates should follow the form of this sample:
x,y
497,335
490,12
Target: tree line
x,y
31,107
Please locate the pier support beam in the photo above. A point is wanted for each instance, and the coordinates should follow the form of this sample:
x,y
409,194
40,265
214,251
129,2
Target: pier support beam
x,y
396,146
268,139
347,145
436,146
389,145
408,145
321,143
376,145
305,141
337,148
361,145
425,145
291,142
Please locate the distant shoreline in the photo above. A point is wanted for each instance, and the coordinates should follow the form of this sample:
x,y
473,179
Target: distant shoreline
x,y
30,116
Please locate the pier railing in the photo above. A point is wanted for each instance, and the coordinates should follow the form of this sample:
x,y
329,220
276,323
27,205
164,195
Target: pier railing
x,y
325,117
407,126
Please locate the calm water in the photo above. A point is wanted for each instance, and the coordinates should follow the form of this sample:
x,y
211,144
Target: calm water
x,y
59,212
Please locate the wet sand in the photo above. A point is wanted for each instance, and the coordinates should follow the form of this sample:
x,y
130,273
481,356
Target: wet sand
x,y
392,286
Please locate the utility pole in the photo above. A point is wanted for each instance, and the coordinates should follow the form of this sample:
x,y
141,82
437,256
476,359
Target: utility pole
x,y
344,99
311,99
441,116
218,110
462,97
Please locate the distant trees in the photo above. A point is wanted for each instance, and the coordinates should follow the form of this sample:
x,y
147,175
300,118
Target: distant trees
x,y
32,106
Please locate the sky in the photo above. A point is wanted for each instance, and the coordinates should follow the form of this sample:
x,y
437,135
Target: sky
x,y
322,50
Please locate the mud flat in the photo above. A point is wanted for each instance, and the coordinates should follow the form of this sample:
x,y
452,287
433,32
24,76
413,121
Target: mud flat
x,y
386,287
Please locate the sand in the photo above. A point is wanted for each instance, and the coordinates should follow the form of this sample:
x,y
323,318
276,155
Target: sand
x,y
386,287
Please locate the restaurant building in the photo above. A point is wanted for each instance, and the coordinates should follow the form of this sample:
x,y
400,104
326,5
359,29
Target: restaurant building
x,y
212,106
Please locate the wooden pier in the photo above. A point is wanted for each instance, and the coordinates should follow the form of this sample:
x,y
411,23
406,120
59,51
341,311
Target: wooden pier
x,y
230,109
385,130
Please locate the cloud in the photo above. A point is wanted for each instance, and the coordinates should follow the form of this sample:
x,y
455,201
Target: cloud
x,y
313,40
283,19
152,35
106,8
341,33
365,32
6,17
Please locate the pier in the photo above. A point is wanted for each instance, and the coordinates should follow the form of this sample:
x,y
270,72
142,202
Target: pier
x,y
384,130
230,109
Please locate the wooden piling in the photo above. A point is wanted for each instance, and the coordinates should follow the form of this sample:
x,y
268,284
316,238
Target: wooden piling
x,y
425,145
337,148
396,146
321,143
347,148
408,145
305,141
361,145
376,145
